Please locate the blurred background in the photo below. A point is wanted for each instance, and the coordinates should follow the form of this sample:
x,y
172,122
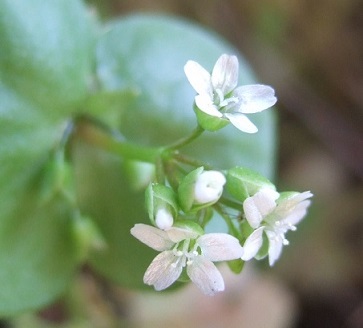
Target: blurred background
x,y
311,52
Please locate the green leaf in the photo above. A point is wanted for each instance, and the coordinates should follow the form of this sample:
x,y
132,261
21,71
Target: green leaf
x,y
45,69
115,207
46,52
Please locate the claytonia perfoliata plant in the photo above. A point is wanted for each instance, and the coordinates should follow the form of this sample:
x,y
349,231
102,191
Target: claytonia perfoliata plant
x,y
219,96
181,201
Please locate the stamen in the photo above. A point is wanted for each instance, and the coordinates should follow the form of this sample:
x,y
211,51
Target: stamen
x,y
220,96
227,101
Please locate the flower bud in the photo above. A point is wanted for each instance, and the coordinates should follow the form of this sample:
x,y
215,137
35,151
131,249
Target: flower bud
x,y
163,219
209,187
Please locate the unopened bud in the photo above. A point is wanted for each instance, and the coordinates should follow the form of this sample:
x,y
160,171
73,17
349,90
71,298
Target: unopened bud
x,y
163,219
209,187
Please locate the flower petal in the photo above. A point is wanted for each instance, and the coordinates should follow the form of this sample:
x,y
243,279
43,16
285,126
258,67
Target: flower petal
x,y
163,270
225,74
206,105
275,246
241,122
199,78
254,98
252,244
205,275
152,237
298,213
220,247
258,206
292,210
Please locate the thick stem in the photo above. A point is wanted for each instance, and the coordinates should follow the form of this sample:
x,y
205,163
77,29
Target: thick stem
x,y
104,139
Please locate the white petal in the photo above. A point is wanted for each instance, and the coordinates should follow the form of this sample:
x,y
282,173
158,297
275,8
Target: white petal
x,y
252,244
225,74
241,122
162,272
254,98
258,206
298,213
206,105
152,237
290,211
205,275
275,247
199,78
302,196
220,247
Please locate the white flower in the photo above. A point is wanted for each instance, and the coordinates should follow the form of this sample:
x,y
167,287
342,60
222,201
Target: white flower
x,y
274,219
209,187
219,96
181,248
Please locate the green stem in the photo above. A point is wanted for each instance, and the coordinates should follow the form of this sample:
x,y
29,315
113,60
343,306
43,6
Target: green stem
x,y
231,203
185,141
228,220
100,137
190,161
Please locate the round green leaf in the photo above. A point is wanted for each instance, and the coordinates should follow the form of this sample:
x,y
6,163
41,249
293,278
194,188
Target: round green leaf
x,y
45,68
46,51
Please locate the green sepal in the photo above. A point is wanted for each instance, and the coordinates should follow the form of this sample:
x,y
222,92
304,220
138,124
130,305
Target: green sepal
x,y
285,195
263,251
209,122
206,215
236,266
186,189
245,230
159,196
243,182
184,276
190,226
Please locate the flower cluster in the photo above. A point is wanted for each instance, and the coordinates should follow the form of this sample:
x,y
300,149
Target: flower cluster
x,y
180,208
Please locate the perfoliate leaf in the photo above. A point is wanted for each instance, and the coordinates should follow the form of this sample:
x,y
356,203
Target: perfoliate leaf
x,y
45,69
